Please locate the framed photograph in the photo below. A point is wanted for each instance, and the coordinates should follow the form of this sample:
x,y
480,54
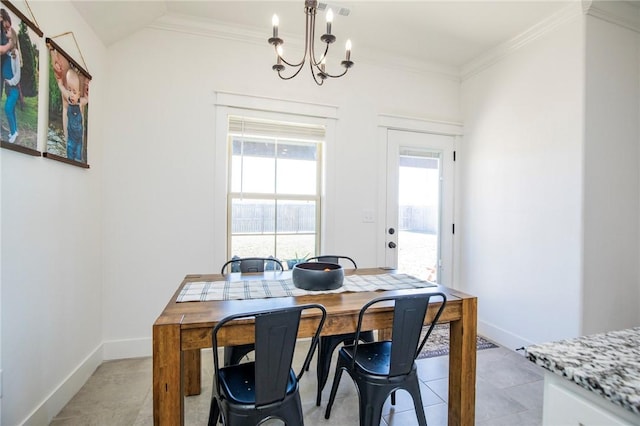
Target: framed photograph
x,y
68,108
19,63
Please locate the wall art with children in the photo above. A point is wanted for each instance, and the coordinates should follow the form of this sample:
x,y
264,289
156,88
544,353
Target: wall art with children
x,y
19,41
68,106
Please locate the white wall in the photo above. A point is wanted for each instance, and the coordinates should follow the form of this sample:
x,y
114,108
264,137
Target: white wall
x,y
611,182
159,160
522,190
51,254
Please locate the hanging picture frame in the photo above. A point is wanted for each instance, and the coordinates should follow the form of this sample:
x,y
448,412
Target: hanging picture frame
x,y
20,39
68,107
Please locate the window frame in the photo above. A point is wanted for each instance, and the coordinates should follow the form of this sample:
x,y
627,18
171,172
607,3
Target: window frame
x,y
275,196
275,109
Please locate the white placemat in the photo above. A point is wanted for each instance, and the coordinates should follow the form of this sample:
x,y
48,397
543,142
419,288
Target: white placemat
x,y
201,291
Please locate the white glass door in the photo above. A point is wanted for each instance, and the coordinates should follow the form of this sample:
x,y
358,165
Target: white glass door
x,y
419,231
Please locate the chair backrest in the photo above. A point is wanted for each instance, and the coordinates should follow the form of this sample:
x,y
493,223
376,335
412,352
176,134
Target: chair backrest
x,y
332,258
252,264
275,335
409,314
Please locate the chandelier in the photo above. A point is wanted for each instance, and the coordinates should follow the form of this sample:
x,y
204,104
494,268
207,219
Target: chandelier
x,y
316,65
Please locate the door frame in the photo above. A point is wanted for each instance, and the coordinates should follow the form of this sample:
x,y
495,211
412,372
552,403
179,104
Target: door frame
x,y
390,122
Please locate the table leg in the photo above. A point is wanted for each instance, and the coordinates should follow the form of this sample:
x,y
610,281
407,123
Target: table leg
x,y
191,367
462,366
167,381
384,334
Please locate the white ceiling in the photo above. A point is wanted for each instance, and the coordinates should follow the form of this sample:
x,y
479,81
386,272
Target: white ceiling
x,y
446,32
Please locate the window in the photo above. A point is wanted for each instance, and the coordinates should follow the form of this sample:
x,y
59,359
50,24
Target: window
x,y
274,188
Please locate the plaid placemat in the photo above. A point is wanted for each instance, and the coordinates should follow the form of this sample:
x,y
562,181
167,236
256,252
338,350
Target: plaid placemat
x,y
201,291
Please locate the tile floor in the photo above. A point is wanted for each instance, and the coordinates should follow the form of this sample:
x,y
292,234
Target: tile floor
x,y
509,392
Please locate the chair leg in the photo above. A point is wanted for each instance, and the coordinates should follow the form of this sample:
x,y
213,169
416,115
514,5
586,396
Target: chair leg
x,y
324,364
291,412
334,390
327,346
413,387
214,412
370,415
371,402
316,352
393,398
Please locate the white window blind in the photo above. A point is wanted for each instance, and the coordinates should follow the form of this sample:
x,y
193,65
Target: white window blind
x,y
253,127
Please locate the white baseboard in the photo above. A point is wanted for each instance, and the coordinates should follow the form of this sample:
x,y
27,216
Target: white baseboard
x,y
501,336
56,400
127,348
114,349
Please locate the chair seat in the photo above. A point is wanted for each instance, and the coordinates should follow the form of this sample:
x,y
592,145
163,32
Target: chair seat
x,y
372,358
237,382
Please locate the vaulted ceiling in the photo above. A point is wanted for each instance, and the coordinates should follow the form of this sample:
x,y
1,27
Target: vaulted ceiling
x,y
447,32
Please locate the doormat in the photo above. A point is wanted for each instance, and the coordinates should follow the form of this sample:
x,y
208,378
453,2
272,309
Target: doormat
x,y
438,342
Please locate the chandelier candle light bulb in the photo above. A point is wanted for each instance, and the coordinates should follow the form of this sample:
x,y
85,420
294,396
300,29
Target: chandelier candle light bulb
x,y
275,21
278,66
329,20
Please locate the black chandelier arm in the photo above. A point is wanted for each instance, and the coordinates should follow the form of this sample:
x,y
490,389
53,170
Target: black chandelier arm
x,y
293,75
304,55
282,59
310,34
324,55
299,64
287,62
337,75
318,69
312,56
315,76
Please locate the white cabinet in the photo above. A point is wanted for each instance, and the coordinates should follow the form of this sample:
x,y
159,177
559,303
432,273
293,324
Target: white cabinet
x,y
567,404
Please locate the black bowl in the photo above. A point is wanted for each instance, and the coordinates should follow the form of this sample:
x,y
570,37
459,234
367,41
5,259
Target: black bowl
x,y
317,276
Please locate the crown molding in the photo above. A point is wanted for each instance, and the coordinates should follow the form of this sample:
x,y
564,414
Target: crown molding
x,y
493,56
623,13
205,27
394,62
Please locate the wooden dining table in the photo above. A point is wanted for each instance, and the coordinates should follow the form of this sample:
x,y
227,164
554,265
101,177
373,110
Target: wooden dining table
x,y
183,328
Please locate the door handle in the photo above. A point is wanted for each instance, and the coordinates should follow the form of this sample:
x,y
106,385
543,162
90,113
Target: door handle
x,y
392,244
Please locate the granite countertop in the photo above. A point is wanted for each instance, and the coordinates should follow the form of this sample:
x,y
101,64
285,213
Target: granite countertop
x,y
607,364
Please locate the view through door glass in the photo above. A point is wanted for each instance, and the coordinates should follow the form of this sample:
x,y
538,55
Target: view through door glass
x,y
419,213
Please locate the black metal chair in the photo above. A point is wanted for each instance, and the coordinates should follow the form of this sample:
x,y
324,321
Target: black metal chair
x,y
380,368
249,393
332,258
252,264
233,354
329,343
